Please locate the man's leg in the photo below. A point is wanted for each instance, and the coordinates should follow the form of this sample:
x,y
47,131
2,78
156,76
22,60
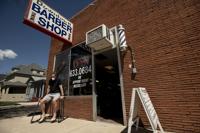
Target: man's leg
x,y
55,108
42,106
56,96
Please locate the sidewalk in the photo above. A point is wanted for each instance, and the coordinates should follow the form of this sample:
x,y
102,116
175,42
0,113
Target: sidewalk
x,y
14,119
70,125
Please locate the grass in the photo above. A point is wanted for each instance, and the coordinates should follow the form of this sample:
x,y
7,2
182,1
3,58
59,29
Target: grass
x,y
8,103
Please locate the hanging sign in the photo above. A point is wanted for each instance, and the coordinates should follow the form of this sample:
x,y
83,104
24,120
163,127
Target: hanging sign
x,y
42,17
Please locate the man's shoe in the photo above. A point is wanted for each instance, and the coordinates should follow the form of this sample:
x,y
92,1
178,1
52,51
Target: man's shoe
x,y
42,119
53,120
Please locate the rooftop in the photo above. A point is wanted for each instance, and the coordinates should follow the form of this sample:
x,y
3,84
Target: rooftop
x,y
27,69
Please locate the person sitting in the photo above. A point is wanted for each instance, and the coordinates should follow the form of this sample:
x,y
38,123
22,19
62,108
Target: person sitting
x,y
54,92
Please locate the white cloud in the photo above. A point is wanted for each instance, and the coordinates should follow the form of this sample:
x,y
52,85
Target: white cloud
x,y
1,54
7,53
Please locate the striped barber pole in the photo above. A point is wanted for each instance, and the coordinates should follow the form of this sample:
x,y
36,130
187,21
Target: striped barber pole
x,y
122,38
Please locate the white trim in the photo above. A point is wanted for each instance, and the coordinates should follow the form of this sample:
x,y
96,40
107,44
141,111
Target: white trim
x,y
94,96
120,76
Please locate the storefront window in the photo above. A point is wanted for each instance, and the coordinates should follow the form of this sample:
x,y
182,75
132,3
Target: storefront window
x,y
80,71
62,68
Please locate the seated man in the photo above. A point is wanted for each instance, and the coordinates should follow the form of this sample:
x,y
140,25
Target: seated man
x,y
54,92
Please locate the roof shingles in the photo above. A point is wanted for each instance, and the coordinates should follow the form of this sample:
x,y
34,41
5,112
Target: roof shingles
x,y
27,69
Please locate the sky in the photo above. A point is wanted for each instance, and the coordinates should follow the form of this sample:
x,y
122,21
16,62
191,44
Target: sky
x,y
21,44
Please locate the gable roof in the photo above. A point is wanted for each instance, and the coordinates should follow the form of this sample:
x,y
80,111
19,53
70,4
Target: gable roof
x,y
30,67
27,69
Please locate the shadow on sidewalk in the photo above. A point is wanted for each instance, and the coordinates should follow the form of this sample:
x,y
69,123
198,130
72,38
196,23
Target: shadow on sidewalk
x,y
16,111
140,130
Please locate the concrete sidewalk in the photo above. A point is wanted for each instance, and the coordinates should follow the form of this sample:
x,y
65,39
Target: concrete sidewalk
x,y
13,119
69,125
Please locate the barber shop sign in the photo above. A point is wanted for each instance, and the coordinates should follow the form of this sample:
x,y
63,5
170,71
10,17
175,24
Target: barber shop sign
x,y
47,20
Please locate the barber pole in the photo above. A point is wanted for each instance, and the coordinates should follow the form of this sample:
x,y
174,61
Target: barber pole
x,y
122,38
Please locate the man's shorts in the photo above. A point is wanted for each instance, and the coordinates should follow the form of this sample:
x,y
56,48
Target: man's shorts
x,y
52,96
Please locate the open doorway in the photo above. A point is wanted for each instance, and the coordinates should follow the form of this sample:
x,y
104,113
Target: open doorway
x,y
108,90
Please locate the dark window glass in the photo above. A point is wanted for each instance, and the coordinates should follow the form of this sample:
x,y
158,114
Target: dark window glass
x,y
17,90
80,71
62,68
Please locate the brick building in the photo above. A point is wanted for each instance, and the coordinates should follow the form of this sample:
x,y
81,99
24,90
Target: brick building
x,y
165,38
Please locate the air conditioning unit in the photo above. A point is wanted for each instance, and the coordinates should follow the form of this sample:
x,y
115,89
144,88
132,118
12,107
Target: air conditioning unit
x,y
100,38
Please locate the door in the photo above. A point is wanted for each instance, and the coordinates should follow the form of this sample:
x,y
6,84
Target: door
x,y
108,87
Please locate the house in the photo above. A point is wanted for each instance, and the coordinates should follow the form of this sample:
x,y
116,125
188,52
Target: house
x,y
15,86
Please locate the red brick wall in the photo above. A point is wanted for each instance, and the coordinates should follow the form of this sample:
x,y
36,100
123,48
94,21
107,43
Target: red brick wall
x,y
79,107
165,36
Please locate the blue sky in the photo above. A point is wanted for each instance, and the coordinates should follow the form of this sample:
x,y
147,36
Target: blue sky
x,y
29,45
